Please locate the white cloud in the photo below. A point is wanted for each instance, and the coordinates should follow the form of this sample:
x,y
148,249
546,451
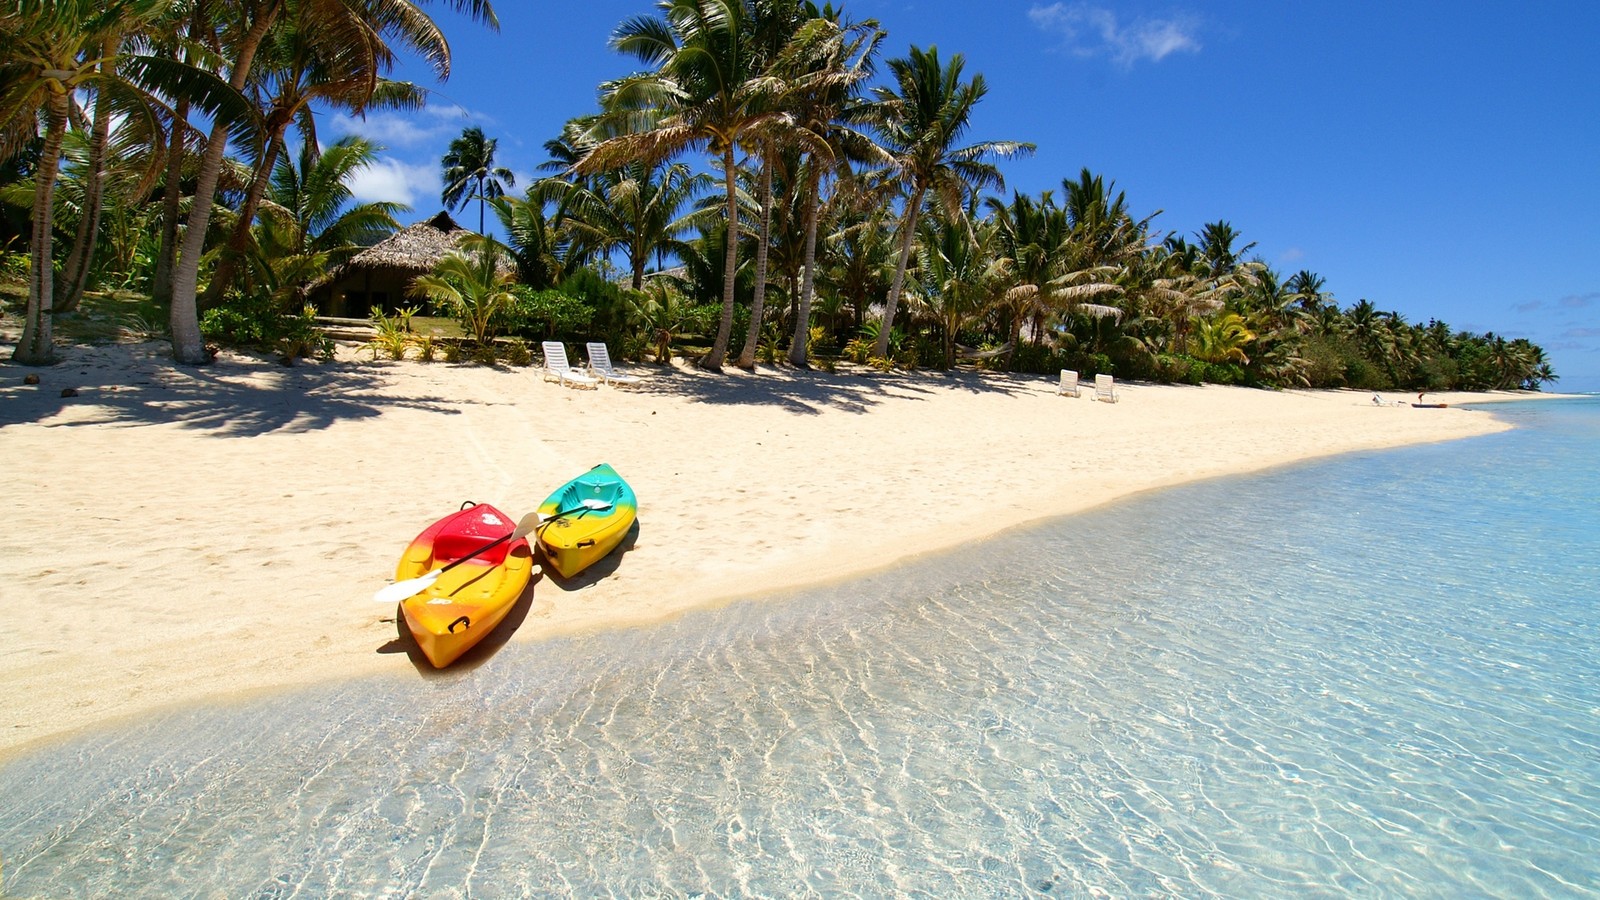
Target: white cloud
x,y
1291,255
396,182
1093,31
433,126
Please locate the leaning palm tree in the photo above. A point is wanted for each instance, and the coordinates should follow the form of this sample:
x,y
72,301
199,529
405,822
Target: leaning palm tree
x,y
469,163
707,92
297,67
920,121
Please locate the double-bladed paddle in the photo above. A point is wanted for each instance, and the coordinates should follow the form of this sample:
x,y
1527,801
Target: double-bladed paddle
x,y
400,590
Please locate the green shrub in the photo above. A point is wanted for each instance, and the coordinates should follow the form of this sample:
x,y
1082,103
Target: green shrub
x,y
516,353
544,315
1225,373
257,323
1364,376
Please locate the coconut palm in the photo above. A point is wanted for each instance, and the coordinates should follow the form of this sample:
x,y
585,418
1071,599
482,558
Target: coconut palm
x,y
636,209
707,91
242,33
45,56
308,211
920,122
533,240
960,274
829,67
468,164
298,66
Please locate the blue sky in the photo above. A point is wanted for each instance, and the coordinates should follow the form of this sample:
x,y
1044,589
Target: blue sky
x,y
1439,159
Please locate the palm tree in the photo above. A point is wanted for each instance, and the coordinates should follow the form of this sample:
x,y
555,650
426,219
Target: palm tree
x,y
920,122
706,92
834,66
634,209
534,242
960,274
300,66
470,160
308,216
1222,338
47,55
242,32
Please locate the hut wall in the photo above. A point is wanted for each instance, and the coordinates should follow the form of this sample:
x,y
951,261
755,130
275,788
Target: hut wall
x,y
357,293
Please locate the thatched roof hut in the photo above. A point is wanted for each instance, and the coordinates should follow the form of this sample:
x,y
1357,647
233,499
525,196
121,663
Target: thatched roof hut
x,y
379,276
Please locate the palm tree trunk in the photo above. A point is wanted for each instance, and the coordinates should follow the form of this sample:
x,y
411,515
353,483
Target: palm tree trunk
x,y
37,345
747,357
908,233
239,240
75,274
730,262
171,199
799,347
188,346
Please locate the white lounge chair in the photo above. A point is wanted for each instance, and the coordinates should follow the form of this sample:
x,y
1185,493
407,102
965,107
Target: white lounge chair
x,y
557,368
1105,388
1069,383
600,366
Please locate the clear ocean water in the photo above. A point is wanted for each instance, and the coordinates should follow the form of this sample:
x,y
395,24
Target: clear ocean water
x,y
1373,676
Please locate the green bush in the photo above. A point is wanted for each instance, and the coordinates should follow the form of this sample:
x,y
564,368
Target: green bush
x,y
1364,376
1178,368
516,353
256,323
1225,373
544,315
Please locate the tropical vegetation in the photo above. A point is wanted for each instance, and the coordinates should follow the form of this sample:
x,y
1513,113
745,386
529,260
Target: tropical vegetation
x,y
769,174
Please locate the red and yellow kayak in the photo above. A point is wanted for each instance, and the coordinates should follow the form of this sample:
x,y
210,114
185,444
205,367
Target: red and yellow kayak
x,y
467,602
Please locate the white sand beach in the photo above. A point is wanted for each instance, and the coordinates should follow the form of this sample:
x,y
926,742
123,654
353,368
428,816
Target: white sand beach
x,y
182,535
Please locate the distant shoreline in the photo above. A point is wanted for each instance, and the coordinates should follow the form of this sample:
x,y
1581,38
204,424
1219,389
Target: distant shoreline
x,y
187,535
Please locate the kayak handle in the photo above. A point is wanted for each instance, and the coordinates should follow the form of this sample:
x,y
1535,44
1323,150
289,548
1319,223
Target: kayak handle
x,y
460,621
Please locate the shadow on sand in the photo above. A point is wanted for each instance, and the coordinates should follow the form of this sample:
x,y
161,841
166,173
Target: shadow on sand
x,y
236,396
809,392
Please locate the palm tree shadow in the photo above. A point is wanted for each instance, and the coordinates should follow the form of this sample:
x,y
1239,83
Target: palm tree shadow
x,y
480,653
810,392
599,570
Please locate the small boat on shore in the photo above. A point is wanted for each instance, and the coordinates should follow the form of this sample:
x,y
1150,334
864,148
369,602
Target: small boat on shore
x,y
1430,406
467,600
585,519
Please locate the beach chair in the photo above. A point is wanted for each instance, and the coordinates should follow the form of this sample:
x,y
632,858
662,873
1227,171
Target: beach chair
x,y
558,369
600,366
1069,383
1105,388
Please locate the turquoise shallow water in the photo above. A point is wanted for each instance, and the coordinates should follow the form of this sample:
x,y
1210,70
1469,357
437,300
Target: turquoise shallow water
x,y
1373,676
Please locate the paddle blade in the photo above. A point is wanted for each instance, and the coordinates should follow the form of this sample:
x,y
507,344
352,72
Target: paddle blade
x,y
400,590
526,525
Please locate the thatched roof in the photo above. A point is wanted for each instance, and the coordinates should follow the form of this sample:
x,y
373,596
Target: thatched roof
x,y
418,247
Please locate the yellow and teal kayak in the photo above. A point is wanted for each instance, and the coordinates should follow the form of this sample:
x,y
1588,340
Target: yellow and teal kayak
x,y
582,535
